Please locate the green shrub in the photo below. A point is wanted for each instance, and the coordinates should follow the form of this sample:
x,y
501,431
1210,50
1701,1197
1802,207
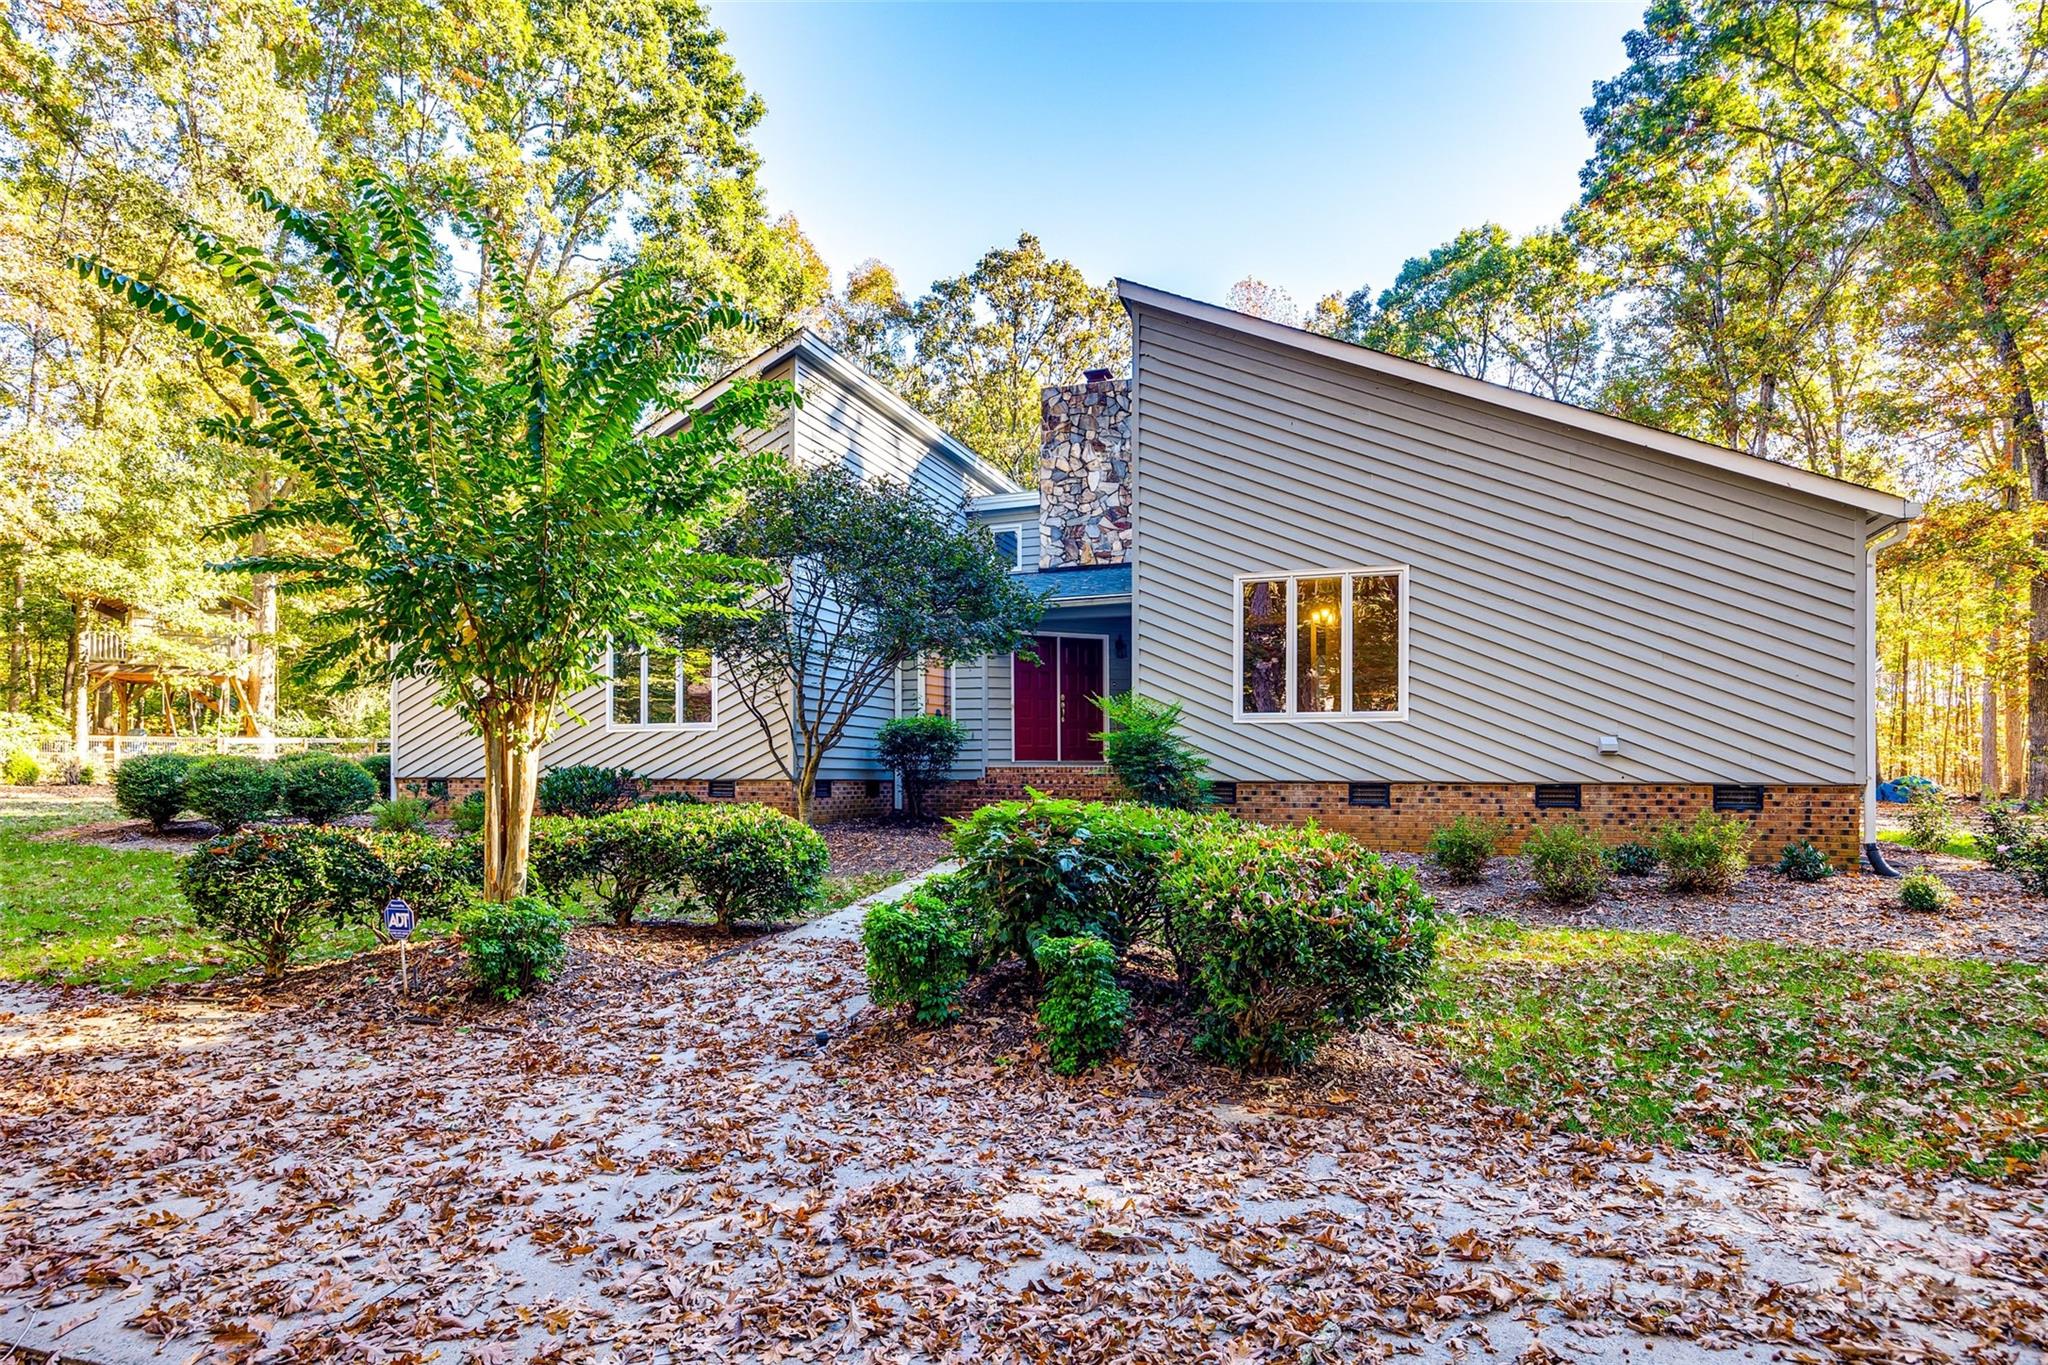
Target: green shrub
x,y
21,769
1052,868
378,766
261,890
1802,862
437,879
751,860
322,788
1710,854
623,858
920,950
515,947
1084,1012
1293,933
2007,825
1632,859
355,881
402,814
1568,861
586,790
1930,821
920,750
468,814
1925,892
231,790
77,774
1464,847
1143,747
670,799
152,787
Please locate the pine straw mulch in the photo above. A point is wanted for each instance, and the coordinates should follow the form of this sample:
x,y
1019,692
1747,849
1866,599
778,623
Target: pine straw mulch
x,y
659,1159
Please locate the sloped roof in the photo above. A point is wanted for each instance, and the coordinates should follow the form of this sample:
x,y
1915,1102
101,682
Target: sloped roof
x,y
1884,508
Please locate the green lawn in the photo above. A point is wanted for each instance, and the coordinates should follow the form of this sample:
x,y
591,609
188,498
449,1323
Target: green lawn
x,y
1961,846
1760,1048
78,914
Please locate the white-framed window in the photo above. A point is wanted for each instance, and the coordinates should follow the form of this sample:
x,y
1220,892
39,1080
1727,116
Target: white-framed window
x,y
1324,644
1009,538
659,689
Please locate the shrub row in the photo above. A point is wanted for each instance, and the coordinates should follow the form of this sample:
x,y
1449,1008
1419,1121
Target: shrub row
x,y
1572,864
231,790
728,860
1281,935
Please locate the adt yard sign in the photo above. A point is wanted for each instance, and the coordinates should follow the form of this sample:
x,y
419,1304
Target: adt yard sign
x,y
397,918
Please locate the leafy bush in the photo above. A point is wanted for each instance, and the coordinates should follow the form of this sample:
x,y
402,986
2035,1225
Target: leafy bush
x,y
355,881
438,880
1925,892
920,750
920,950
514,947
231,790
378,766
21,769
1710,854
322,787
1292,933
1052,868
1465,846
670,799
77,774
468,814
1568,861
152,787
586,790
1930,821
1084,1011
624,857
2027,864
752,860
262,890
1632,859
402,814
2008,824
1143,747
1802,862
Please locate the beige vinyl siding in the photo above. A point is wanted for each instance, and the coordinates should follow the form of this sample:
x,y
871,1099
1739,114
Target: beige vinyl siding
x,y
1563,586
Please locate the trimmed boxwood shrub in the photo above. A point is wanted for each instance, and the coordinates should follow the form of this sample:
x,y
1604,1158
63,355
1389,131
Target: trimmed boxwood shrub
x,y
623,858
1802,862
1568,861
21,769
231,790
1710,854
436,879
152,787
323,788
378,766
262,890
1084,1012
920,950
1925,892
1053,868
515,947
750,860
1464,847
920,750
586,790
1293,933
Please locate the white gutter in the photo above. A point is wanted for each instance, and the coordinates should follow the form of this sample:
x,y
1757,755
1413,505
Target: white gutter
x,y
1890,535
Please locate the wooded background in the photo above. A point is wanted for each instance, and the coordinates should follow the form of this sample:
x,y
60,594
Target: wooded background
x,y
1815,232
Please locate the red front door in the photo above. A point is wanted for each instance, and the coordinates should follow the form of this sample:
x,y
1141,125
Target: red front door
x,y
1053,701
1035,702
1080,684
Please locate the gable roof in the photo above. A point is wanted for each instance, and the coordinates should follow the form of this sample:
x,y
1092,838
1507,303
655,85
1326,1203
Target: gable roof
x,y
1882,508
822,354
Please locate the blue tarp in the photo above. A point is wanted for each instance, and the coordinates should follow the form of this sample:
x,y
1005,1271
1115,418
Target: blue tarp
x,y
1900,789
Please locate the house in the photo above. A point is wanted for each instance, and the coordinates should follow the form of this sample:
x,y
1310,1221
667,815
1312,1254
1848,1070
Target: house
x,y
1383,593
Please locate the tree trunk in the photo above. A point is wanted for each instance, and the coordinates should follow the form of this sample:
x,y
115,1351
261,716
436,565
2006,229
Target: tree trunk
x,y
1988,784
2037,678
807,782
17,633
78,682
511,775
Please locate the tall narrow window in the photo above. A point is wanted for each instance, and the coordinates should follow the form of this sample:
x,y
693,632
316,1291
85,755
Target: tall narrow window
x,y
661,687
626,669
1327,645
1264,682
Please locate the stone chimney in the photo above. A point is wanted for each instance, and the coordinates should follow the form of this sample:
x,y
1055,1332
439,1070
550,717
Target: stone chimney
x,y
1084,473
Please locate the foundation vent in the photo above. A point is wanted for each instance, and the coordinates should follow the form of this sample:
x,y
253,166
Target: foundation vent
x,y
723,789
1557,796
1371,794
1738,798
1223,793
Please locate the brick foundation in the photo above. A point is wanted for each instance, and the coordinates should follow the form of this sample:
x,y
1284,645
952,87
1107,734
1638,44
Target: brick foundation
x,y
1009,784
850,799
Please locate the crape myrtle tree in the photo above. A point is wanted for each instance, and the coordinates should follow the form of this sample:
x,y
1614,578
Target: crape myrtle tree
x,y
870,575
486,500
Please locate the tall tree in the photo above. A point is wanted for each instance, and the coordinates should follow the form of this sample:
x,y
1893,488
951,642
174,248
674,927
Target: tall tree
x,y
868,320
1269,301
986,342
495,508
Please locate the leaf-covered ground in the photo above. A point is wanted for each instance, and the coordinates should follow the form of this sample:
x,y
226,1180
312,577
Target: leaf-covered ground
x,y
659,1160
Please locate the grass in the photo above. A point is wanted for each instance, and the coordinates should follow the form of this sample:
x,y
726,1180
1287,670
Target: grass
x,y
1957,846
1766,1049
83,915
841,892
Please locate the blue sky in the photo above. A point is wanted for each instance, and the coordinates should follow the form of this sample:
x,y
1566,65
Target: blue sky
x,y
1186,146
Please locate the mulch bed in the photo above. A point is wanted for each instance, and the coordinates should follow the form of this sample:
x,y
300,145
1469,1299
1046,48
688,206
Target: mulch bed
x,y
885,846
1991,918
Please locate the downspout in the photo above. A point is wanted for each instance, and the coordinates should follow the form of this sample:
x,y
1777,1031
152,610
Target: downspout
x,y
1873,847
